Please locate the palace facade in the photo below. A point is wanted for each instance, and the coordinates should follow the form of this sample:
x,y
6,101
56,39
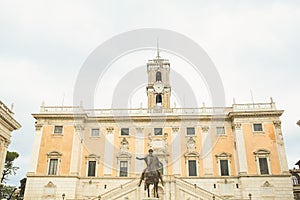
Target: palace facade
x,y
7,125
234,152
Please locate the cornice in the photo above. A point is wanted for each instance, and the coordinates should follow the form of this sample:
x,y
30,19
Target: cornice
x,y
157,118
244,114
168,117
59,116
8,121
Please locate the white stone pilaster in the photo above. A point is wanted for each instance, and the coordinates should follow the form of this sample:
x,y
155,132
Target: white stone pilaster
x,y
240,148
108,152
76,150
36,149
280,148
176,152
3,152
206,152
139,150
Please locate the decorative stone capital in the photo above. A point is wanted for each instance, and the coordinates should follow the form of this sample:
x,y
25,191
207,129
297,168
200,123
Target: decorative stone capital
x,y
110,130
139,130
78,127
175,130
6,143
236,125
205,128
277,124
38,126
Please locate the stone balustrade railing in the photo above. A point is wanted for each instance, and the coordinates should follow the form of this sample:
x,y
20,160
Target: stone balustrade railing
x,y
198,192
158,111
132,185
5,109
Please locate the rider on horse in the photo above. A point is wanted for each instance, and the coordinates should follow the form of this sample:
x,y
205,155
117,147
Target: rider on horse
x,y
153,165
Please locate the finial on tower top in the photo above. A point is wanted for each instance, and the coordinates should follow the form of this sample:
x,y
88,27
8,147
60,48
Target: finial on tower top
x,y
157,45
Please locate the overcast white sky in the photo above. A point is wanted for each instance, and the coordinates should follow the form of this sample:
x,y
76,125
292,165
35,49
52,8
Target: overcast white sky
x,y
43,44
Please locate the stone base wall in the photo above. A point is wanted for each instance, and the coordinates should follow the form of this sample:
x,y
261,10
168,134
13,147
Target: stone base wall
x,y
262,188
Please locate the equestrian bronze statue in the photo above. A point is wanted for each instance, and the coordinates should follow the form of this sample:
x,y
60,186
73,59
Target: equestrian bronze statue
x,y
151,173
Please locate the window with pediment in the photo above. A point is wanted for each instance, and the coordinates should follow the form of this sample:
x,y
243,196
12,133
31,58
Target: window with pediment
x,y
92,162
224,163
192,163
124,161
54,159
262,158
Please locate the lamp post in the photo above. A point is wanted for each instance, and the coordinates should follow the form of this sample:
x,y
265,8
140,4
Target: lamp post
x,y
63,196
250,196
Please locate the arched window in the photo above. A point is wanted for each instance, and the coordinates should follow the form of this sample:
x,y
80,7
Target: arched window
x,y
295,180
158,76
158,99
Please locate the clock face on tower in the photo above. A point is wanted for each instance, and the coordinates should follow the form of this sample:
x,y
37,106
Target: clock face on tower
x,y
158,87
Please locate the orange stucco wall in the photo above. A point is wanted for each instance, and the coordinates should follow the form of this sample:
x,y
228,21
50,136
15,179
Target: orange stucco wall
x,y
55,142
263,140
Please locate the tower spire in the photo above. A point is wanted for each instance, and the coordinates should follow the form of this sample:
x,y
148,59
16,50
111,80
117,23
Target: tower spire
x,y
157,45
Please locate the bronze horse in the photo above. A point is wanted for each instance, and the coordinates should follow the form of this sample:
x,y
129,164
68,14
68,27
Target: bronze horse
x,y
152,177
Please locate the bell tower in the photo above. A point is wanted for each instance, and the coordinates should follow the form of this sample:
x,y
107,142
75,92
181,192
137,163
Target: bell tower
x,y
158,88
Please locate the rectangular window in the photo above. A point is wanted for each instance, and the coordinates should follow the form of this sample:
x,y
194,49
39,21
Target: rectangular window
x,y
220,130
58,129
257,127
124,131
123,168
95,132
224,168
157,131
192,168
190,131
53,165
263,166
92,168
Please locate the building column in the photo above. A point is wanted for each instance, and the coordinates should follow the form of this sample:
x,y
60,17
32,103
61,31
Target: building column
x,y
240,149
75,166
35,151
109,150
139,151
206,152
280,148
3,152
176,152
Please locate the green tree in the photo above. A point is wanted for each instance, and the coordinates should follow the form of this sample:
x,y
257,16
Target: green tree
x,y
7,191
9,168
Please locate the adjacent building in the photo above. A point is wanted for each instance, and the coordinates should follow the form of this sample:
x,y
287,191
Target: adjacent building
x,y
7,125
231,152
296,181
